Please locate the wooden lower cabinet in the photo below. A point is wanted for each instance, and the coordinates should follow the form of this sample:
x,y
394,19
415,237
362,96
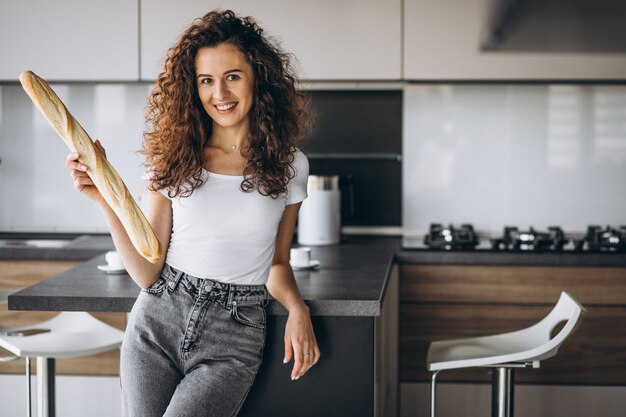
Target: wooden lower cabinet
x,y
23,273
440,302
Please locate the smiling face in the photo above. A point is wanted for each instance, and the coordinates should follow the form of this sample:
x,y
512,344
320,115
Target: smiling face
x,y
225,83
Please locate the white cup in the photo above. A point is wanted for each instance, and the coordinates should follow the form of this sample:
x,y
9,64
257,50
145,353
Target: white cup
x,y
114,260
300,257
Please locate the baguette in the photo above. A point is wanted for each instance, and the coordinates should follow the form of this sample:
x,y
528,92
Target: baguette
x,y
99,169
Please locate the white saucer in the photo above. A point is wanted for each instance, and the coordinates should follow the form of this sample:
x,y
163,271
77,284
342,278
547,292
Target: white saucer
x,y
108,270
313,263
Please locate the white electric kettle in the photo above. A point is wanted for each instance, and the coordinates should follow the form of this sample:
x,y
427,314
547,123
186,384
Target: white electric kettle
x,y
319,220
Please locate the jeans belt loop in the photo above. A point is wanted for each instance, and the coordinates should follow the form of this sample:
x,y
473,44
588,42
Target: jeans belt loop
x,y
231,295
173,284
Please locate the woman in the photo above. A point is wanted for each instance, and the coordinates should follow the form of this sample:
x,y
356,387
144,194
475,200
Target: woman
x,y
225,183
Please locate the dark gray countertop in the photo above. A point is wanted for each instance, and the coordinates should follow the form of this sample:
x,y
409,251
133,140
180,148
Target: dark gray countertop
x,y
350,281
90,246
83,247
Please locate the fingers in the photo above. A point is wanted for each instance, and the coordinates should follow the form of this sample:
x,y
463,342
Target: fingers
x,y
78,172
306,355
81,182
301,362
300,343
288,349
74,164
100,147
316,355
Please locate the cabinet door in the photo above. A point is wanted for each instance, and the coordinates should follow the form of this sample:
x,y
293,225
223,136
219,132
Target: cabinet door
x,y
442,42
331,40
70,39
443,302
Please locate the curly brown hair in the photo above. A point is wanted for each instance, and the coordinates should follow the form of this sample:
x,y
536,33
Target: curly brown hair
x,y
179,127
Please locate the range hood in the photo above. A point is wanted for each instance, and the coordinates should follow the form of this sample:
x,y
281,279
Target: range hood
x,y
556,26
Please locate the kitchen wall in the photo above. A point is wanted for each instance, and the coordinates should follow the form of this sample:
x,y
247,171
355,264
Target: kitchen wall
x,y
525,154
39,194
36,187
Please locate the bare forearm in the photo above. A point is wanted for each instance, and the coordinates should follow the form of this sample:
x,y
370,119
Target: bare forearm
x,y
141,271
282,286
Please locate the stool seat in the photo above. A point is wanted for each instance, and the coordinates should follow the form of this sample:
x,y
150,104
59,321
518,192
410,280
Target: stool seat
x,y
526,347
71,334
4,294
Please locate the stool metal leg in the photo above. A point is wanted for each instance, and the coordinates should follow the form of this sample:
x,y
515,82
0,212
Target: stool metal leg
x,y
503,380
29,411
433,382
45,387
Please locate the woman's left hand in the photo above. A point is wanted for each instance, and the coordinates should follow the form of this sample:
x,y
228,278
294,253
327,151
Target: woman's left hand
x,y
300,342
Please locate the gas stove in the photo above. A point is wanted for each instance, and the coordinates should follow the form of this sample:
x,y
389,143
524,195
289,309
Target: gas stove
x,y
607,240
531,240
440,237
513,239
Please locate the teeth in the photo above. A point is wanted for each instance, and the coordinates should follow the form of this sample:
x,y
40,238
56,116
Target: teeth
x,y
226,106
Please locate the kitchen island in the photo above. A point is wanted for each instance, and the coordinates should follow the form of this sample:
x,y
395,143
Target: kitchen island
x,y
353,299
443,294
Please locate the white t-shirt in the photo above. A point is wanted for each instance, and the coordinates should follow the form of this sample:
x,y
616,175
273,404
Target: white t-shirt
x,y
223,233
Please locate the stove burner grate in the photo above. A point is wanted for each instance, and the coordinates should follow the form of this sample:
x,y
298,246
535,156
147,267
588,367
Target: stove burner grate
x,y
531,240
451,238
603,240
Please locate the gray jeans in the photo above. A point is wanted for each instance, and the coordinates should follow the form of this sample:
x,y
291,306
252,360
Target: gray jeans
x,y
192,347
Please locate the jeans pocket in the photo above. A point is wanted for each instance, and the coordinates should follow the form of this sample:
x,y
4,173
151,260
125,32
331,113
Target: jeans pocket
x,y
252,315
156,288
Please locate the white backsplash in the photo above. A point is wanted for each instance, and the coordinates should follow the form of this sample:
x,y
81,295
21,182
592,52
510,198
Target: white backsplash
x,y
514,154
37,192
488,154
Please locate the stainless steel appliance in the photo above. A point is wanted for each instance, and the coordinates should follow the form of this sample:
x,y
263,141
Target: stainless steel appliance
x,y
441,237
319,221
513,239
607,240
531,240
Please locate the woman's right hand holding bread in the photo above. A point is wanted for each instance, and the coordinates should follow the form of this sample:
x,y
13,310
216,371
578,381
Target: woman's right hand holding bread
x,y
82,182
158,214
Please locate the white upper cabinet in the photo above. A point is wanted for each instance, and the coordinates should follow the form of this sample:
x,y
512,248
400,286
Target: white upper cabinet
x,y
442,42
331,40
70,40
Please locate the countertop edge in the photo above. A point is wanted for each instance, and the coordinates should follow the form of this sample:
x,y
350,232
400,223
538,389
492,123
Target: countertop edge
x,y
590,259
22,302
332,306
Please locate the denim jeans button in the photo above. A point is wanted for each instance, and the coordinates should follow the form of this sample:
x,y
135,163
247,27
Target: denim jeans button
x,y
171,285
207,288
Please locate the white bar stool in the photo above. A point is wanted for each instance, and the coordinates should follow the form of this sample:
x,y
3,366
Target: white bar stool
x,y
4,295
71,334
506,351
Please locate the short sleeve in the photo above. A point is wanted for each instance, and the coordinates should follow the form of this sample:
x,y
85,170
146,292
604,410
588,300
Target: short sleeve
x,y
297,186
147,176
